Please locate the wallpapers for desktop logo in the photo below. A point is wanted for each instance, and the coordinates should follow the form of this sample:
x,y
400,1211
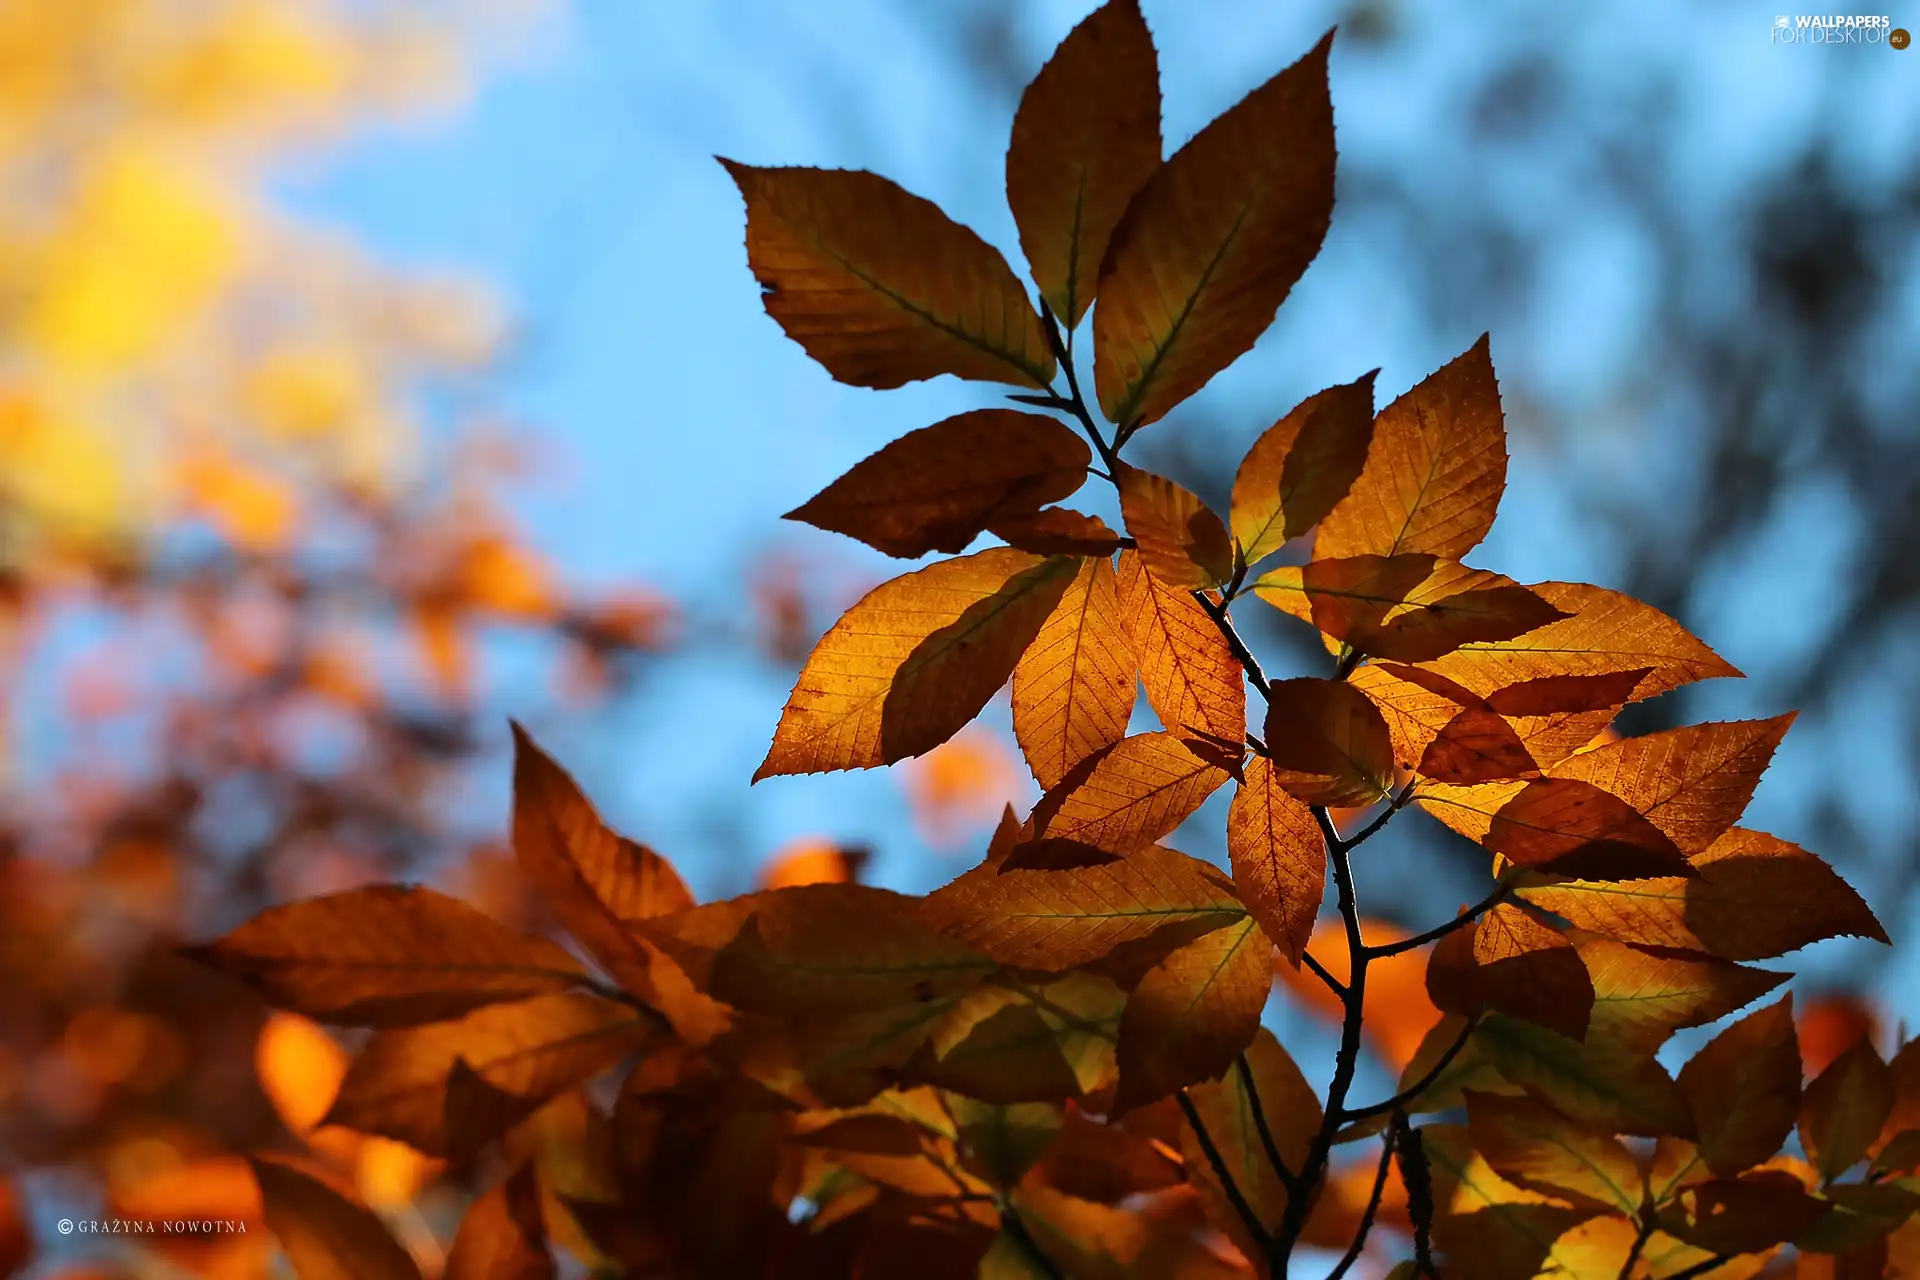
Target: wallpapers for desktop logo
x,y
1838,29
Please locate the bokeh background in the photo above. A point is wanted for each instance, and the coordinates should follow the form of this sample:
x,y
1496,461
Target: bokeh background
x,y
374,370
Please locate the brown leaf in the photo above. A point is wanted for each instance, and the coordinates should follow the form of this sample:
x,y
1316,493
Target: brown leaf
x,y
1566,695
1489,1228
1747,1214
1213,243
1642,995
1131,794
1743,1088
880,286
503,1236
1026,1041
916,659
1599,1084
325,1234
1435,471
1328,744
1300,467
1057,531
1073,689
1087,134
1193,1013
1570,828
1279,859
1692,782
938,488
1411,607
1533,1146
1755,896
1105,1162
1512,963
1192,679
476,1112
387,956
1842,1111
1058,920
1181,541
397,1086
1478,745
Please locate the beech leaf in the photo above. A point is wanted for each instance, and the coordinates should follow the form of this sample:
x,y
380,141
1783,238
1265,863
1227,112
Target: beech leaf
x,y
1130,794
1057,531
1743,1088
326,1234
1193,1013
503,1236
1279,859
1300,467
1192,680
1074,688
1328,744
1534,1146
1181,541
1405,608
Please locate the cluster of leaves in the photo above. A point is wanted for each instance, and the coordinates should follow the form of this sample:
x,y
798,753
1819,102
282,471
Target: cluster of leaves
x,y
1054,1065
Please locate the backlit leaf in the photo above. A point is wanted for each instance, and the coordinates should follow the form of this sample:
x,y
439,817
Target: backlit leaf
x,y
1025,1041
1057,531
387,956
1641,995
880,286
1488,1227
1193,1013
938,488
1131,794
1755,896
1744,1215
1291,1108
1510,962
1842,1110
1478,745
1435,470
1560,825
397,1085
1409,607
326,1235
1279,858
1087,134
1743,1088
1597,1083
1300,467
1003,1141
1073,689
1328,744
1056,920
1534,1146
1181,541
1212,244
503,1236
909,665
1192,679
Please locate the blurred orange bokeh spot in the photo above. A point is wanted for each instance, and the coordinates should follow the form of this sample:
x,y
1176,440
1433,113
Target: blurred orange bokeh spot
x,y
962,785
811,860
1398,1012
1829,1026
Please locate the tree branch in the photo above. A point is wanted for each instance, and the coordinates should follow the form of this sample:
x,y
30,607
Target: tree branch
x,y
1438,932
1407,1096
1254,1226
1359,1244
1248,663
1417,1175
1287,1178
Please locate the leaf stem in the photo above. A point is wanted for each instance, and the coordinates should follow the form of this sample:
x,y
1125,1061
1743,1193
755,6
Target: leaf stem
x,y
1406,1097
1440,931
1639,1244
1287,1177
1235,1197
1016,1229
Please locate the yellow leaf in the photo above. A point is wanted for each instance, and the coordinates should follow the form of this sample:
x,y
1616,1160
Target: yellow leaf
x,y
1534,1146
1131,794
1642,997
1181,541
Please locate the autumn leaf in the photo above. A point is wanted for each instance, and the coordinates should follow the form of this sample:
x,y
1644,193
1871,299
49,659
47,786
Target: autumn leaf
x,y
1057,531
1513,963
326,1235
387,956
1642,995
1568,695
1130,794
1074,687
938,488
1014,1041
1534,1146
1212,244
1478,745
1300,467
1193,1013
1193,681
1279,859
1002,1142
909,665
1327,743
1435,470
1743,1088
1756,896
1503,1231
1598,1083
880,286
1843,1109
1087,134
503,1236
1559,825
397,1085
1410,607
1291,1111
1059,920
1419,705
1181,541
1747,1214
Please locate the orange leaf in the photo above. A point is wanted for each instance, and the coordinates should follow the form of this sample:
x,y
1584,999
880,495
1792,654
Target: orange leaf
x,y
916,659
1029,1041
1642,995
1291,1108
1755,896
1831,1024
1057,920
387,956
880,286
1213,243
1130,794
1073,689
1560,825
1181,541
1058,531
1747,1214
1566,695
1279,859
1300,467
1435,470
503,1236
1743,1088
1478,745
1842,1111
326,1235
1193,1013
300,1068
1600,1083
938,488
397,1086
1513,963
1192,679
1328,744
1533,1146
1087,134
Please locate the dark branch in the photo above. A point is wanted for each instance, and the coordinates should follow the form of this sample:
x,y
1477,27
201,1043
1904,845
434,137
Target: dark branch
x,y
1254,1226
1359,1245
1272,1148
1438,932
1407,1096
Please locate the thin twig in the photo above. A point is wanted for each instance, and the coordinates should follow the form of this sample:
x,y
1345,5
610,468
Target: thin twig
x,y
1248,663
1407,1096
1287,1178
1639,1243
1440,931
1359,1244
1011,1223
1254,1226
1321,971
